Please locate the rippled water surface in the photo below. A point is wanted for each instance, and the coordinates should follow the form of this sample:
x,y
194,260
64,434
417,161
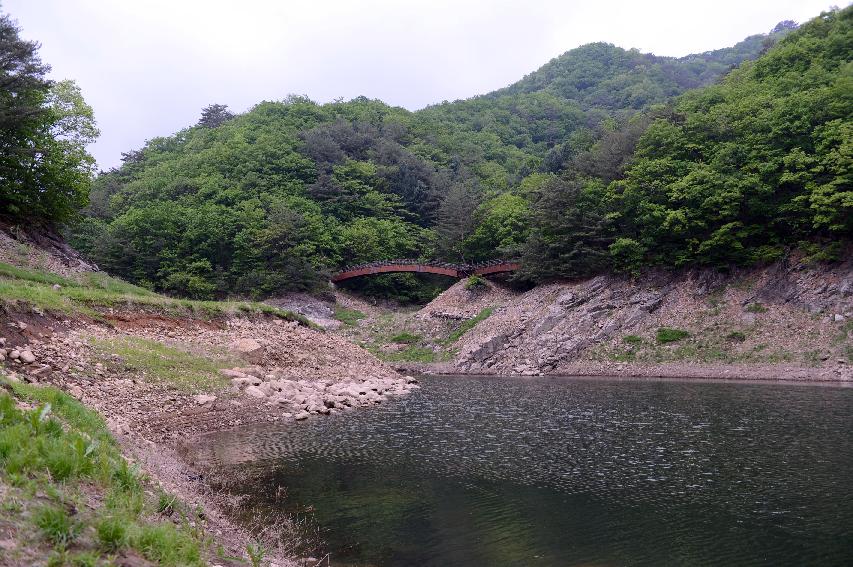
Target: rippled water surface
x,y
545,471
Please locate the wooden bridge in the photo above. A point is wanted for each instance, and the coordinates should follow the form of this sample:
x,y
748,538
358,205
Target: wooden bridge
x,y
442,268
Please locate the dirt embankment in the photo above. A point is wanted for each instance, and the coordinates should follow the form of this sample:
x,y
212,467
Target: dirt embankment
x,y
160,379
40,249
787,321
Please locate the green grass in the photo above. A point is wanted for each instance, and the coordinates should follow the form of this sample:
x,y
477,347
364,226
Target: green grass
x,y
756,308
349,317
736,336
102,291
16,273
100,280
76,499
632,339
406,338
168,364
55,525
666,335
469,324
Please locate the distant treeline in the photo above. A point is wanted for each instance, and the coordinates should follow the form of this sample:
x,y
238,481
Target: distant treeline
x,y
604,159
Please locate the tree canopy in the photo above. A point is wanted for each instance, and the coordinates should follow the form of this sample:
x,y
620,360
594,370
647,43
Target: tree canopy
x,y
602,159
45,171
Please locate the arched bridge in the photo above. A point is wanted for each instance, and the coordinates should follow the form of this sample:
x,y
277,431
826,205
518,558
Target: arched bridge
x,y
430,267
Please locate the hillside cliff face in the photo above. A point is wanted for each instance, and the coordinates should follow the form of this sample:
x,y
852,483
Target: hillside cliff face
x,y
790,319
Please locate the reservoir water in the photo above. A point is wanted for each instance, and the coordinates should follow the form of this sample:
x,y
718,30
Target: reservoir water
x,y
563,471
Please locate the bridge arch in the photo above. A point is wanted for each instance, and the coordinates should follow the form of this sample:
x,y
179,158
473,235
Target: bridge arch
x,y
428,267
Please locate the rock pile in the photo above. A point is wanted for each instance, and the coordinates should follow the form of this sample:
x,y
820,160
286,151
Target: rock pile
x,y
315,396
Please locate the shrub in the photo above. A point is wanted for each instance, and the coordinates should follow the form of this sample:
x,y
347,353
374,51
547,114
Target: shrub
x,y
348,316
632,339
165,545
55,525
469,324
112,533
736,336
756,308
406,338
475,283
667,335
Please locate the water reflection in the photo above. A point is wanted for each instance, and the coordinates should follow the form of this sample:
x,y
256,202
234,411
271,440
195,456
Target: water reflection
x,y
502,471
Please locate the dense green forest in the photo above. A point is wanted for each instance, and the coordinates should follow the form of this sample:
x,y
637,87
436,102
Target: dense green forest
x,y
45,126
603,159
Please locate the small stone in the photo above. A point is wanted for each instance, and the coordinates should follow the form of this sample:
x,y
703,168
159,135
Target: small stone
x,y
838,317
76,391
22,325
56,287
27,357
301,415
15,354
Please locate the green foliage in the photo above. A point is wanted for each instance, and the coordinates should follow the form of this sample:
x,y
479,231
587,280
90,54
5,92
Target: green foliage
x,y
821,251
56,449
16,273
349,317
55,524
502,225
738,171
278,198
255,551
756,308
572,232
475,283
632,339
469,324
406,338
112,533
666,335
736,336
180,368
45,171
99,290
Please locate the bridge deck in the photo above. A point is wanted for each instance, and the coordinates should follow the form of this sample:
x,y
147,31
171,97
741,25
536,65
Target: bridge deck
x,y
444,269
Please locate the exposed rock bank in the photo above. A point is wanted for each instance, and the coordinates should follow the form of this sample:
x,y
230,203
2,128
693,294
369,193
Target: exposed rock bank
x,y
788,321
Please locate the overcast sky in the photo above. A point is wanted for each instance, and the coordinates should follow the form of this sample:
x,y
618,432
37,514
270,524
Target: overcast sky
x,y
147,67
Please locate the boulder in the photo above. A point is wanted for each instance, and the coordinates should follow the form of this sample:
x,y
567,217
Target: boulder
x,y
250,349
246,381
27,357
255,392
232,373
301,415
204,399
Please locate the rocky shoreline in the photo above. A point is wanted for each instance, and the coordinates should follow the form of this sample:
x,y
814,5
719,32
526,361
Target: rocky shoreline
x,y
841,374
120,367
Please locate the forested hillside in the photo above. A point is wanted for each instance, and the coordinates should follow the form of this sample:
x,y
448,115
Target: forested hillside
x,y
584,165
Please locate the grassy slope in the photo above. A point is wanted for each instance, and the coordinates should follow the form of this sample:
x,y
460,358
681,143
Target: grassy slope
x,y
70,497
94,290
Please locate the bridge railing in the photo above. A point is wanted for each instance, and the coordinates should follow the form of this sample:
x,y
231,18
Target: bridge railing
x,y
463,268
